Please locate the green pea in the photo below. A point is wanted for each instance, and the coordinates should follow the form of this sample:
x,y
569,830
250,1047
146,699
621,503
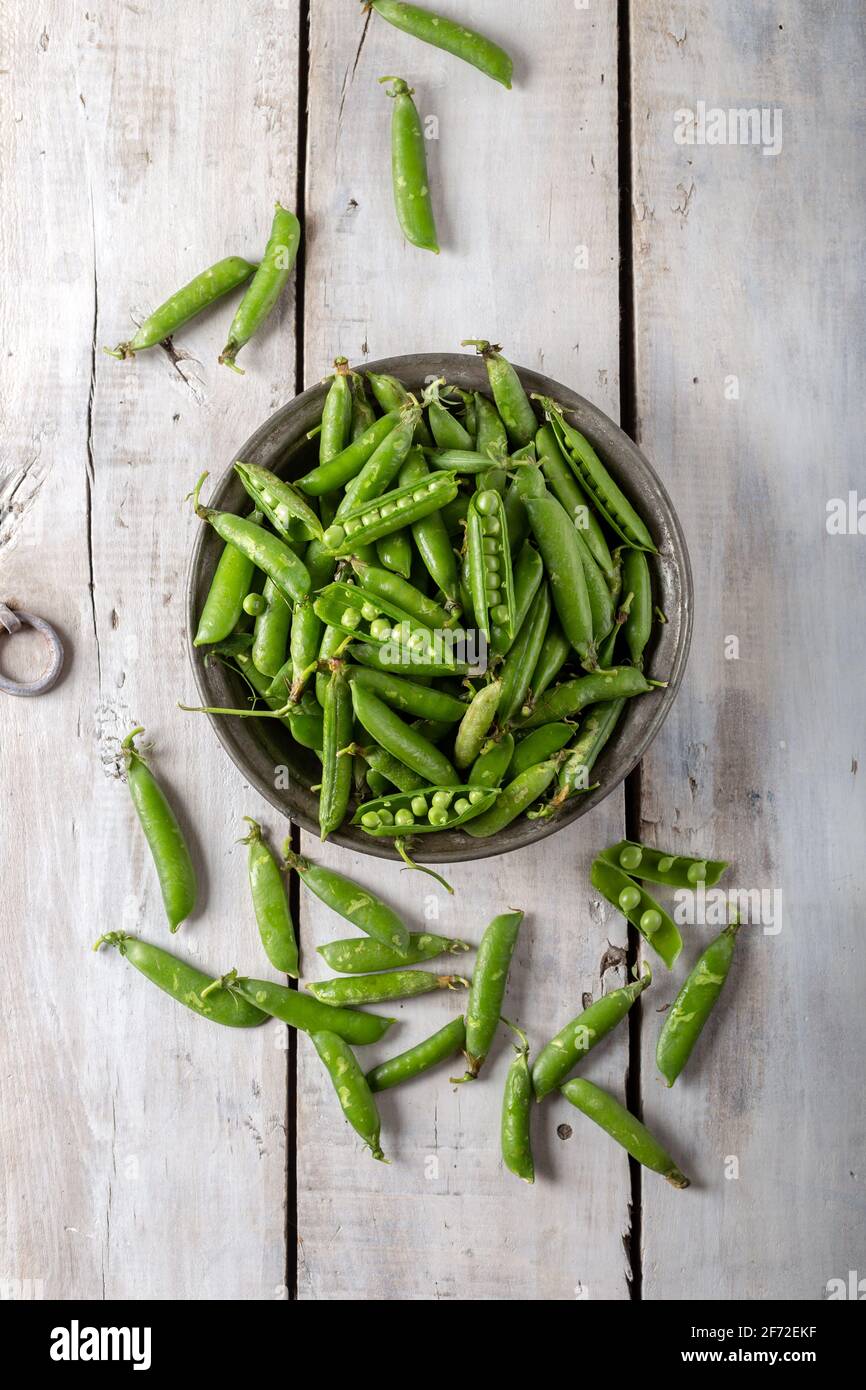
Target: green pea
x,y
254,604
438,815
475,796
490,547
666,863
487,502
629,898
499,614
350,617
283,514
650,920
630,857
334,537
385,817
461,806
419,806
371,819
404,816
442,798
369,612
697,873
380,629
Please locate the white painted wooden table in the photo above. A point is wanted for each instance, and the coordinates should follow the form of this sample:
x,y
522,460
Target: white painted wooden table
x,y
709,295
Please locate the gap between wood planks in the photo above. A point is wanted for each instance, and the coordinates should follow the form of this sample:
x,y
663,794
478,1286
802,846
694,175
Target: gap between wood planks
x,y
628,421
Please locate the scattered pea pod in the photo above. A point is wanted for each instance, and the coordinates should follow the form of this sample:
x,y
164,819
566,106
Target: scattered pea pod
x,y
444,33
412,199
654,924
419,1059
693,1005
487,990
373,989
204,289
351,901
302,1011
174,868
355,1097
359,955
558,1057
266,285
183,982
423,809
270,903
517,1112
659,866
624,1127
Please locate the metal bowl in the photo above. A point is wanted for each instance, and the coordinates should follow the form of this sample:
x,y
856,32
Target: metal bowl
x,y
283,773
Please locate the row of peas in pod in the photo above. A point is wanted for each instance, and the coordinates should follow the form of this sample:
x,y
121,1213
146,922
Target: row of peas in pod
x,y
378,967
436,528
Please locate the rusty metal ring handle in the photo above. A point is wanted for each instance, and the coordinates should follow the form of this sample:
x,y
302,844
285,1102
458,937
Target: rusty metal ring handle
x,y
12,621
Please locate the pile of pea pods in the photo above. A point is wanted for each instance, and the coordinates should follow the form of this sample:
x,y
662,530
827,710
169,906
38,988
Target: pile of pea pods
x,y
433,530
377,967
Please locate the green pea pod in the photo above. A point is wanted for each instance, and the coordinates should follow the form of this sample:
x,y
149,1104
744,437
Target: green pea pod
x,y
337,412
267,284
454,515
204,289
565,700
660,866
607,497
538,746
395,553
407,697
174,868
391,395
423,810
637,582
430,534
491,581
332,644
336,769
303,1011
279,501
624,1127
398,739
558,1057
347,465
607,649
355,613
558,542
516,798
521,660
412,200
445,427
487,991
351,901
382,467
490,438
407,599
267,552
600,601
644,913
516,1114
420,1058
512,402
373,989
363,414
566,490
391,769
224,605
404,661
183,982
390,512
378,784
493,761
270,903
693,1005
555,651
359,955
467,461
582,756
355,1097
271,631
475,723
528,574
320,563
449,35
305,640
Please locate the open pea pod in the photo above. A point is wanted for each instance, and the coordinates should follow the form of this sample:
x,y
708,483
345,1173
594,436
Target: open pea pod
x,y
491,582
658,866
392,511
644,913
369,618
279,501
426,809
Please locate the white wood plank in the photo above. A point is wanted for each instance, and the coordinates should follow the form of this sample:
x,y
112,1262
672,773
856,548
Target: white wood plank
x,y
133,154
743,270
522,180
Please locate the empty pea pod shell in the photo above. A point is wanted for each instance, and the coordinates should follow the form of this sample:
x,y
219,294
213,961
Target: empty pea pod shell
x,y
372,989
408,813
658,930
420,1058
661,866
557,1058
624,1127
693,1005
359,955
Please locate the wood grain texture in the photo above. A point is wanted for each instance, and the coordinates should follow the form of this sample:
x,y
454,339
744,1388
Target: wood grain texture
x,y
522,181
743,269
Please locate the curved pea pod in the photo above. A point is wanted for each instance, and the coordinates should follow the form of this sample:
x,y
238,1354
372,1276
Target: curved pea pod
x,y
516,1114
538,746
395,772
528,572
491,581
351,901
168,848
267,552
624,1127
512,402
223,607
350,610
565,700
424,810
336,767
384,464
430,533
567,491
304,1012
407,599
208,286
693,1005
558,542
594,734
355,1097
423,701
445,427
645,914
267,284
609,500
400,659
514,799
419,1059
279,501
520,662
348,463
487,990
400,740
659,866
373,989
271,631
394,552
477,718
637,581
183,982
581,1035
449,35
390,512
492,763
270,903
360,955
